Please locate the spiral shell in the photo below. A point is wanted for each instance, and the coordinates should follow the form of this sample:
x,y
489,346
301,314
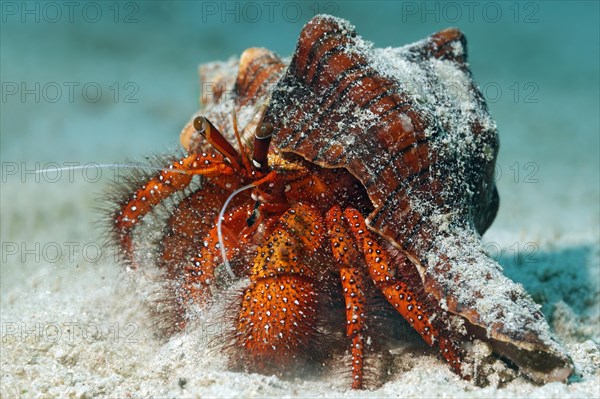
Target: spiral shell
x,y
411,125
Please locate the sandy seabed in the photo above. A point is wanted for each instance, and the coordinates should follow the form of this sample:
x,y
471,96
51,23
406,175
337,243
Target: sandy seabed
x,y
78,326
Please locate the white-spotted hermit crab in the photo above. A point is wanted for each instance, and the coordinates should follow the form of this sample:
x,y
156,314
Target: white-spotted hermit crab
x,y
371,175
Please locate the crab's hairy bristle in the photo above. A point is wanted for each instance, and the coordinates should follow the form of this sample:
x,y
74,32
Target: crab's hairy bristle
x,y
125,180
322,337
278,317
167,314
284,324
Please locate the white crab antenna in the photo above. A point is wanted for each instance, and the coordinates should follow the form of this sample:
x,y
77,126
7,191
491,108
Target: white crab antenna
x,y
220,231
112,165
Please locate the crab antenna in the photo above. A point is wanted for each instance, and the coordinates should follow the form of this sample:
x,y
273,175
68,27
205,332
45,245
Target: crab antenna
x,y
239,141
262,140
268,178
217,140
112,165
220,229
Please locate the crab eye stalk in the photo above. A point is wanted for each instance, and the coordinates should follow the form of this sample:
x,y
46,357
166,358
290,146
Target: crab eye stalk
x,y
217,140
262,140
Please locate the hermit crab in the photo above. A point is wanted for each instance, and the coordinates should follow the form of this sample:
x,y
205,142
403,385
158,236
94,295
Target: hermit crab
x,y
341,174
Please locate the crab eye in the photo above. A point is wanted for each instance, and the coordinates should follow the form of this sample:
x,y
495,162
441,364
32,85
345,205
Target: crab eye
x,y
252,218
264,130
262,140
200,124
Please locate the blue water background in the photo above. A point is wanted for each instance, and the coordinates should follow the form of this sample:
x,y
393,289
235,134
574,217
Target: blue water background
x,y
537,63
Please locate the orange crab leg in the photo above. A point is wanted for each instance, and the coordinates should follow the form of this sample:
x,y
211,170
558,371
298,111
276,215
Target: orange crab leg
x,y
187,227
162,186
348,258
278,316
189,250
199,273
234,234
410,304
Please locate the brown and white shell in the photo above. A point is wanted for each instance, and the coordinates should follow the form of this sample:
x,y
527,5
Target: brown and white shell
x,y
410,124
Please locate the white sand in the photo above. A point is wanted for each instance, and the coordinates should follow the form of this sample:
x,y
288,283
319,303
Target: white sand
x,y
102,299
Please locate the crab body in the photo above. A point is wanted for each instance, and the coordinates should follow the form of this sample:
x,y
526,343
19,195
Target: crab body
x,y
378,181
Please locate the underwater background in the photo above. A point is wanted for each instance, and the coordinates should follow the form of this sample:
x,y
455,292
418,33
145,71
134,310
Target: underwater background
x,y
90,83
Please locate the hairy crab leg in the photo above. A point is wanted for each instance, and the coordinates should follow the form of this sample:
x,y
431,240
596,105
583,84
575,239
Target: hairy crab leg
x,y
197,275
209,257
187,227
190,252
410,304
162,186
277,322
346,255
